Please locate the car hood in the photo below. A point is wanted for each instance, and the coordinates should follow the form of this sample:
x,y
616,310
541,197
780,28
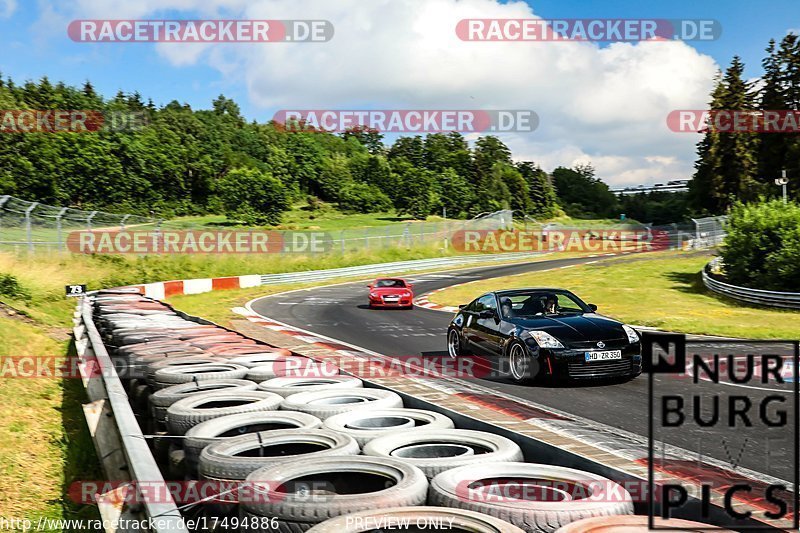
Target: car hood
x,y
390,290
574,328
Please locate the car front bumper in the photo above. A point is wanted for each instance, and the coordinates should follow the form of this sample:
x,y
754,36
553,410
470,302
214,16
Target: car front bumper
x,y
405,301
571,363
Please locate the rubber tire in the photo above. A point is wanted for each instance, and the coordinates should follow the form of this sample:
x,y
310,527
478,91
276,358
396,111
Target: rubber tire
x,y
206,433
174,375
257,359
635,524
296,515
162,399
376,399
185,414
288,386
152,368
529,376
447,490
454,518
431,419
220,460
502,449
294,366
462,349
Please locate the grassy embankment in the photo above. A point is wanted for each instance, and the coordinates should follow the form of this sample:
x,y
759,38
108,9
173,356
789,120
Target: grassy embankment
x,y
662,290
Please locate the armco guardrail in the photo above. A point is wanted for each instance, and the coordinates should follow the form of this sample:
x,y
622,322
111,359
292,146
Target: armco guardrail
x,y
139,461
386,268
786,300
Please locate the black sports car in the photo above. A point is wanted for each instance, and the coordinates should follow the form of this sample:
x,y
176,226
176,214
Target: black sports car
x,y
545,333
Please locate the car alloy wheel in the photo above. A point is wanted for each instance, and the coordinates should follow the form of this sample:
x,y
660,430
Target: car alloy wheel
x,y
453,344
519,362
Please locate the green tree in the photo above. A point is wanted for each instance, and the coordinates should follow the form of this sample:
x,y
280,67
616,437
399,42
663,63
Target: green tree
x,y
541,195
726,169
416,195
582,195
252,196
762,246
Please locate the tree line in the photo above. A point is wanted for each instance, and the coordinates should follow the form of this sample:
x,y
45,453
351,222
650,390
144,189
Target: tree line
x,y
187,161
733,167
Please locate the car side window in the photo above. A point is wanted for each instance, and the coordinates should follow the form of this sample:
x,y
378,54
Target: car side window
x,y
487,302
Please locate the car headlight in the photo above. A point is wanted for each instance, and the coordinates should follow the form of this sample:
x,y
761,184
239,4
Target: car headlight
x,y
373,294
633,337
545,340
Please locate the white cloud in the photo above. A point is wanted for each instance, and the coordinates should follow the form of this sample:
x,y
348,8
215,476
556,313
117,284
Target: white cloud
x,y
604,105
7,8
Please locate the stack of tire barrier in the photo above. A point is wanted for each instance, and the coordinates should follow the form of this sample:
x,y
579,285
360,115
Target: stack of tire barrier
x,y
305,448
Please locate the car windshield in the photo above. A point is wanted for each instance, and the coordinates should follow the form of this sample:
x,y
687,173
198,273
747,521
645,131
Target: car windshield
x,y
390,283
541,303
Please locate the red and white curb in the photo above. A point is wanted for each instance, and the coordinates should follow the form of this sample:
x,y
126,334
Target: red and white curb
x,y
164,289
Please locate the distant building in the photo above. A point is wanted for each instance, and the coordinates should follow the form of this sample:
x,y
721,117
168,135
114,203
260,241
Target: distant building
x,y
670,186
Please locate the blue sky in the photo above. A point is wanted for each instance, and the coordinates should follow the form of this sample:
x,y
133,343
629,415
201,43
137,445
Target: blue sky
x,y
349,72
27,54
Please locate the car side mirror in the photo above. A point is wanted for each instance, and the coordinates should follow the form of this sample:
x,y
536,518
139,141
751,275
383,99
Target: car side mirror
x,y
593,307
369,286
462,306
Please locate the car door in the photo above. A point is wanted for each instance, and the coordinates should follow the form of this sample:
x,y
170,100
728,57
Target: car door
x,y
486,330
468,330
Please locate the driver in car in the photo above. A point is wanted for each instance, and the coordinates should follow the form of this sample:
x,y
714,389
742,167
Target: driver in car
x,y
551,304
506,307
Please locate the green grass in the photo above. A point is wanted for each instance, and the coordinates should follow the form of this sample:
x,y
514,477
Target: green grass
x,y
45,444
662,290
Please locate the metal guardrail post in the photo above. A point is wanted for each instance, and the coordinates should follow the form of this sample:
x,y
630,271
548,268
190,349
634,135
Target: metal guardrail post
x,y
28,232
141,464
122,222
89,220
58,227
3,200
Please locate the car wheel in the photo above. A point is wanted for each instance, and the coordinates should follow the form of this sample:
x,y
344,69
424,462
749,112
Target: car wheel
x,y
520,364
454,346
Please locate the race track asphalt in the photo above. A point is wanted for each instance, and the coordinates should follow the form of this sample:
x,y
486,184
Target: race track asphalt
x,y
341,312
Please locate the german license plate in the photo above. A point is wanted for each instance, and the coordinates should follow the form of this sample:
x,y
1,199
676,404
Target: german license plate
x,y
608,355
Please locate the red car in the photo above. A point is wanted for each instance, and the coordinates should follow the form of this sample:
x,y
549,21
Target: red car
x,y
390,292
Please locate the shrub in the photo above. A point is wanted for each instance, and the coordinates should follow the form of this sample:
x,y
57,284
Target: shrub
x,y
252,196
762,246
363,198
11,288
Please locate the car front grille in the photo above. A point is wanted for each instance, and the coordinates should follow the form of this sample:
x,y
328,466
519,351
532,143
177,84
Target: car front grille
x,y
613,344
597,369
